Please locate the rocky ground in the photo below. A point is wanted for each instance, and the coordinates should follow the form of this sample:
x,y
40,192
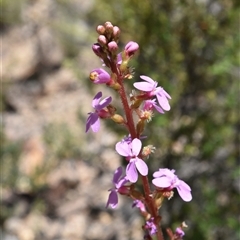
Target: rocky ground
x,y
40,90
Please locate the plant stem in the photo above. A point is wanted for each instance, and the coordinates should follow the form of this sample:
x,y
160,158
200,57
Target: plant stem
x,y
132,130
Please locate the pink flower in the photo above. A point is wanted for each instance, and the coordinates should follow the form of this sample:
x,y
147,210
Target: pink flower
x,y
99,76
150,104
119,187
166,179
131,152
150,87
93,119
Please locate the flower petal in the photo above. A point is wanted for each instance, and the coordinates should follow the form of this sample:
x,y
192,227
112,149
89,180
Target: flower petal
x,y
103,103
163,172
184,191
143,86
92,119
159,109
117,175
162,182
163,102
96,99
112,199
166,94
121,182
141,167
95,126
147,79
123,149
131,172
136,146
104,76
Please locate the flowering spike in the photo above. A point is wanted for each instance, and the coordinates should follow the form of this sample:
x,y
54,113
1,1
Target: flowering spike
x,y
143,104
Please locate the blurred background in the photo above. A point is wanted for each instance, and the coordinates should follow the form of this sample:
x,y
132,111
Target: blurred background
x,y
54,177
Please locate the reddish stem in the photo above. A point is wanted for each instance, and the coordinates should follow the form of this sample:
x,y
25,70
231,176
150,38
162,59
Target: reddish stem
x,y
132,130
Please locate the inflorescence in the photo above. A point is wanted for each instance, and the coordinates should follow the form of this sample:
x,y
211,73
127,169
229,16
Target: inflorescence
x,y
143,102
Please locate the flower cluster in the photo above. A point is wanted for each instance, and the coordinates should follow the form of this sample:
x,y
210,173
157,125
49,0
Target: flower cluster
x,y
142,102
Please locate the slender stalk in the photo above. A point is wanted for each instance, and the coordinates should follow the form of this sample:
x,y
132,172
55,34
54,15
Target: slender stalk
x,y
132,130
152,207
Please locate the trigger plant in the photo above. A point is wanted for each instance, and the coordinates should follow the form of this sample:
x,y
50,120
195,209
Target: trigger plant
x,y
145,101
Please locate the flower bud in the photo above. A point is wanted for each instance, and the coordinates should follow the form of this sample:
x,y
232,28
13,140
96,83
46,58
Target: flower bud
x,y
102,40
118,119
115,86
99,76
97,49
112,46
116,32
100,29
109,31
108,27
131,48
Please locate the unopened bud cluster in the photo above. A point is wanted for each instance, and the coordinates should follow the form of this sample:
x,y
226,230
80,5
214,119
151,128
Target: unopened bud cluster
x,y
107,46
